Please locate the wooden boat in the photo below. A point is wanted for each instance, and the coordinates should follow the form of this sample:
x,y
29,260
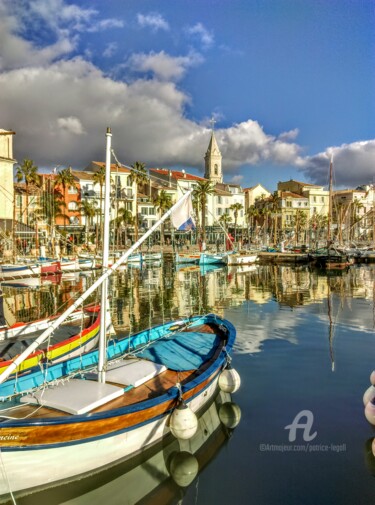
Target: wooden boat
x,y
13,271
86,263
69,340
192,258
148,477
213,258
106,422
87,412
242,259
331,259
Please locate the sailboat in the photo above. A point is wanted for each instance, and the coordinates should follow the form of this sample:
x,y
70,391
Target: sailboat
x,y
80,416
330,258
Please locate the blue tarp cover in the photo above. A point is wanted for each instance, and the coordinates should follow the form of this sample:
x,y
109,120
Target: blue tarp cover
x,y
183,351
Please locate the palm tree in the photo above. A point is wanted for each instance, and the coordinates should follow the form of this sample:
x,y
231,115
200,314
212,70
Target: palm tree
x,y
65,178
225,219
88,210
300,219
201,192
99,178
275,201
162,202
252,215
124,217
236,207
139,176
29,173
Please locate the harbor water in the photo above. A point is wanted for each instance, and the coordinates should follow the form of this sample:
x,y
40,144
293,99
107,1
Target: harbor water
x,y
305,349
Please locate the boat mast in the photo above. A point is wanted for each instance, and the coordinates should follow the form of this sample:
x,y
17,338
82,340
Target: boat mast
x,y
104,287
330,203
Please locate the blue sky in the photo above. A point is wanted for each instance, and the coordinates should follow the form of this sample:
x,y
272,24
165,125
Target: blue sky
x,y
288,81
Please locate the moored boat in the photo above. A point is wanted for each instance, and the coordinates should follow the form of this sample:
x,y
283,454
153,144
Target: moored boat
x,y
13,271
190,258
241,259
213,258
69,340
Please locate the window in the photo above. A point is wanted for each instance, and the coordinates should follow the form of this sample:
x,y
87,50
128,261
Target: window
x,y
219,211
151,211
72,206
144,211
72,190
74,220
219,199
288,203
314,199
299,204
322,199
216,169
19,201
305,204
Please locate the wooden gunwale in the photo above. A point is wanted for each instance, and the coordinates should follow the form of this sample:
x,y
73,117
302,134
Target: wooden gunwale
x,y
42,431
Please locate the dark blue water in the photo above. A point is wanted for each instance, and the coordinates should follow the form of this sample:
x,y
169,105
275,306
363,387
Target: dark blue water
x,y
306,342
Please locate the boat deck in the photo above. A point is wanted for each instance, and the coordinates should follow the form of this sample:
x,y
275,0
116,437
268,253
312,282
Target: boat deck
x,y
153,388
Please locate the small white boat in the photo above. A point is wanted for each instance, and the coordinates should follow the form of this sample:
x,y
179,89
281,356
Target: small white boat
x,y
68,265
192,258
12,271
242,259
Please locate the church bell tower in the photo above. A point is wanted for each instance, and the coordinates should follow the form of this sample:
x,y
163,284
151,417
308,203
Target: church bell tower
x,y
212,160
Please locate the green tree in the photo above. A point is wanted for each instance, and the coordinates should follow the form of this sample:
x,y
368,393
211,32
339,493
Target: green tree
x,y
124,218
88,209
65,179
236,207
275,209
201,192
163,202
28,172
99,178
138,176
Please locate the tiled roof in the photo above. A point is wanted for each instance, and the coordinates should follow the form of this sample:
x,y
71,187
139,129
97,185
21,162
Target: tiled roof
x,y
114,167
175,174
289,194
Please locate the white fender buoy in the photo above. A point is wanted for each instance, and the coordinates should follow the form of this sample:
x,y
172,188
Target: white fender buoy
x,y
370,412
373,446
183,422
372,378
369,395
229,380
184,468
230,414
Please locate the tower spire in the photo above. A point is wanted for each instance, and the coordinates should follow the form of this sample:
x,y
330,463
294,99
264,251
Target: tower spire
x,y
213,158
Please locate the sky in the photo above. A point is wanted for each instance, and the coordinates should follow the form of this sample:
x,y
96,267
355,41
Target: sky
x,y
288,82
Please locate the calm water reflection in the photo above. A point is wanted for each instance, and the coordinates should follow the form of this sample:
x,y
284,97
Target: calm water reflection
x,y
305,342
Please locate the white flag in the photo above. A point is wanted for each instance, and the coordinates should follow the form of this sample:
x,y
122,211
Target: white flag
x,y
182,217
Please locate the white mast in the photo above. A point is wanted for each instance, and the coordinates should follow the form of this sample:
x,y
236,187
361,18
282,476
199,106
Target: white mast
x,y
104,298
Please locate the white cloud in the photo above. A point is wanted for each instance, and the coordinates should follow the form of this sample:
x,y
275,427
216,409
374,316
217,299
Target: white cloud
x,y
205,36
71,125
354,164
61,22
154,21
110,49
236,179
162,65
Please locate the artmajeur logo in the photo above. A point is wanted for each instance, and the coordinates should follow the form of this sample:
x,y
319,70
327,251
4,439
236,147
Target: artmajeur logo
x,y
305,426
304,421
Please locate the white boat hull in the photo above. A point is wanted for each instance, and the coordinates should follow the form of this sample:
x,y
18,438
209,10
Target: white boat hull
x,y
61,463
242,259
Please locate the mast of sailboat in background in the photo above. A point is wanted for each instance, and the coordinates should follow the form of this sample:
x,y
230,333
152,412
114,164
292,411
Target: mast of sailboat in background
x,y
104,287
330,203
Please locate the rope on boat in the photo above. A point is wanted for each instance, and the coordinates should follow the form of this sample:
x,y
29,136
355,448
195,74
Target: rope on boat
x,y
6,478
